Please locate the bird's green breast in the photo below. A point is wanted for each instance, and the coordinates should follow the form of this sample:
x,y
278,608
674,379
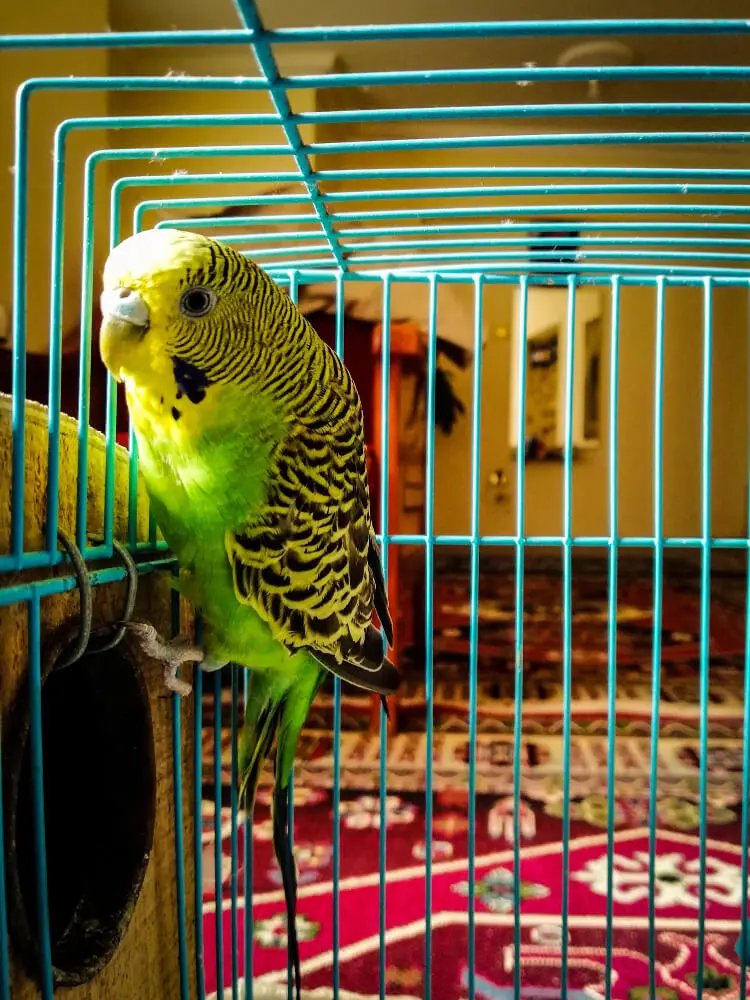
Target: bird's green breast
x,y
208,474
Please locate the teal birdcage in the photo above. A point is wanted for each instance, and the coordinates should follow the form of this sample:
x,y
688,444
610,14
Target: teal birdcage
x,y
542,225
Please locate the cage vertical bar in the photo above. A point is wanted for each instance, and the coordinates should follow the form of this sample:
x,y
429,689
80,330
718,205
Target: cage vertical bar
x,y
385,371
475,468
429,598
336,853
567,611
658,478
614,383
521,367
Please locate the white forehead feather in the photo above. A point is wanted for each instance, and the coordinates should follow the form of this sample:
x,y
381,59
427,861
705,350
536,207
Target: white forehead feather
x,y
144,255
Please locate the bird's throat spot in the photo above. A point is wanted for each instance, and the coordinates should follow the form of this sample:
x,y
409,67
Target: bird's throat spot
x,y
190,380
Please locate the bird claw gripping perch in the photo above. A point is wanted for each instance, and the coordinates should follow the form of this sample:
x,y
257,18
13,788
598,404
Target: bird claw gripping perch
x,y
171,652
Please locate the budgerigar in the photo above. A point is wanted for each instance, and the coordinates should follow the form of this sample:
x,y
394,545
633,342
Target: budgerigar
x,y
251,445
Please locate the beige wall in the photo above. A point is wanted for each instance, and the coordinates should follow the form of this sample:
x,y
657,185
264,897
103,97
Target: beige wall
x,y
682,389
228,62
46,111
682,428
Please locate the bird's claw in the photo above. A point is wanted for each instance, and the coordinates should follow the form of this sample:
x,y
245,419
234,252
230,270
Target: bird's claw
x,y
172,653
174,683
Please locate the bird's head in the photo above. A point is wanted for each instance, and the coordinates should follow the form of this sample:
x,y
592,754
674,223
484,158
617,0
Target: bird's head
x,y
175,299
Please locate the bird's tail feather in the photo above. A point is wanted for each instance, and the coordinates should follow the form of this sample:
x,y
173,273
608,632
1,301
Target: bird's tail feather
x,y
282,846
276,710
261,722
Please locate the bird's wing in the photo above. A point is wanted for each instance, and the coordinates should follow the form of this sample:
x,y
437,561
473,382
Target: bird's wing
x,y
309,563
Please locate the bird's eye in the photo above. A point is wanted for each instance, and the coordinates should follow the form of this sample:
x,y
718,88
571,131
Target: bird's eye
x,y
197,302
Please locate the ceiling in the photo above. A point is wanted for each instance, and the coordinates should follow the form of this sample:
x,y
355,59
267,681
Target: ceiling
x,y
135,14
545,50
455,53
365,56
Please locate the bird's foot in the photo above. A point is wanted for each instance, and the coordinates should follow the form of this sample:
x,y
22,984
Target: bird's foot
x,y
171,652
174,683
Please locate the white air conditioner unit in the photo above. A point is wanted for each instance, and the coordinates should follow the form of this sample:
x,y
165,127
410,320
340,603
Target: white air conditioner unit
x,y
546,344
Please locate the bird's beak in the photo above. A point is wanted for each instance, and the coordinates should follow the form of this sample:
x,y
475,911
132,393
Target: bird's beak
x,y
125,321
126,305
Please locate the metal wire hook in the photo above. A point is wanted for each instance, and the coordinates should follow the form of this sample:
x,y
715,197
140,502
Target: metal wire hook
x,y
120,626
84,587
83,642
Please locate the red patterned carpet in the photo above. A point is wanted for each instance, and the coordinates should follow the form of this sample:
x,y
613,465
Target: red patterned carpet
x,y
677,869
541,891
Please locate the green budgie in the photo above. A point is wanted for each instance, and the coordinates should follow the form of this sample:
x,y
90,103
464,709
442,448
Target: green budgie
x,y
251,445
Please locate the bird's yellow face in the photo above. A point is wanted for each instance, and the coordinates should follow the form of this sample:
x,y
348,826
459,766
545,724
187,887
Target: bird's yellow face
x,y
182,311
195,330
160,299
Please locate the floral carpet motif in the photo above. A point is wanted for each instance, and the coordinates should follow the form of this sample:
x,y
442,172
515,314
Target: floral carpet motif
x,y
543,886
676,900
